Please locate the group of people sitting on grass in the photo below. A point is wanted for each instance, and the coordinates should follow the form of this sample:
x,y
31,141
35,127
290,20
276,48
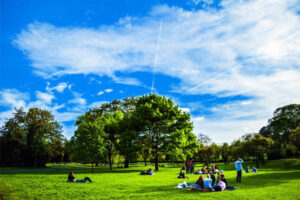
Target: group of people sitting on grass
x,y
254,170
210,183
190,170
148,172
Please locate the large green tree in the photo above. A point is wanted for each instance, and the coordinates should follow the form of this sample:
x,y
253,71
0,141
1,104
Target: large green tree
x,y
31,136
89,142
284,120
13,140
162,126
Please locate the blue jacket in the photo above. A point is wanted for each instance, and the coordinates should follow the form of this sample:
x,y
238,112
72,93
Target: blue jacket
x,y
238,165
207,183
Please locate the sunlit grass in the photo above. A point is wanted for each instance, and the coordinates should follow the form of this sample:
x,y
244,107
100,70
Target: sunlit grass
x,y
276,180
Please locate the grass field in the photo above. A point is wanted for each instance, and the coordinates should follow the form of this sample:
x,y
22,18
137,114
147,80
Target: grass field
x,y
278,179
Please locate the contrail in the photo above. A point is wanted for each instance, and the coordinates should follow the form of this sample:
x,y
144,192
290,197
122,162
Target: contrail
x,y
156,56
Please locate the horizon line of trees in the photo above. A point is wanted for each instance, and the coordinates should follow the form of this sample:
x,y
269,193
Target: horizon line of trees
x,y
149,128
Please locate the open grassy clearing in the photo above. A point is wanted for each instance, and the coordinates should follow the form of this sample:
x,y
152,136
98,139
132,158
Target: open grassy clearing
x,y
276,180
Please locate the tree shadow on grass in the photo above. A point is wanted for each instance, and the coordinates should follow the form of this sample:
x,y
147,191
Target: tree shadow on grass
x,y
68,170
265,180
249,182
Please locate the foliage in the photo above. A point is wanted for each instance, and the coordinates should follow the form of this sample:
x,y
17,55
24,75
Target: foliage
x,y
295,138
284,120
28,138
163,127
89,142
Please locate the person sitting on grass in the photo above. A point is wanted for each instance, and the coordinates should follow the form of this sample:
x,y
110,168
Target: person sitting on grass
x,y
71,178
220,186
181,175
203,170
254,170
200,182
222,178
247,169
218,177
231,187
213,168
213,178
208,183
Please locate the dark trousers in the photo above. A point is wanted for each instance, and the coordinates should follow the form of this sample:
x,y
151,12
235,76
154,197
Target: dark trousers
x,y
239,176
85,180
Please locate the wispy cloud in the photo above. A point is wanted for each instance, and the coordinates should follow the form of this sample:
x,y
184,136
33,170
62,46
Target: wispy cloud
x,y
100,93
13,98
248,48
108,90
59,88
45,97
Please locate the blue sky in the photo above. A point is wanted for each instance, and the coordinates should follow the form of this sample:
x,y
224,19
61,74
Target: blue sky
x,y
230,64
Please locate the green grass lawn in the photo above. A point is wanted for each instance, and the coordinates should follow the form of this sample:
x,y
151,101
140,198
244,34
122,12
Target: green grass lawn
x,y
278,179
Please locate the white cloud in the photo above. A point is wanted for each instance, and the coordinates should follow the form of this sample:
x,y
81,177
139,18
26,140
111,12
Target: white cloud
x,y
198,118
59,88
248,48
45,97
196,2
185,109
96,104
13,98
108,90
100,93
78,100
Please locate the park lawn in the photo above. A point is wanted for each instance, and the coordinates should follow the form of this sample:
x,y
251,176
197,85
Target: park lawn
x,y
278,179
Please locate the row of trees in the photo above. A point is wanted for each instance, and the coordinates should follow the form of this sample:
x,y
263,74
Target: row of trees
x,y
148,128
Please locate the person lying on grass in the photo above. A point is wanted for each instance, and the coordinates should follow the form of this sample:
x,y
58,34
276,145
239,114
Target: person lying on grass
x,y
148,172
181,175
71,178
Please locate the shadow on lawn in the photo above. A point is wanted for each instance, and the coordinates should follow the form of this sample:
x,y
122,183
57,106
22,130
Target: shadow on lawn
x,y
68,170
248,182
265,180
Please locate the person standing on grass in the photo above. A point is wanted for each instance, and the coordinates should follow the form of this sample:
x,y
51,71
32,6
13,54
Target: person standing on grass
x,y
239,168
187,166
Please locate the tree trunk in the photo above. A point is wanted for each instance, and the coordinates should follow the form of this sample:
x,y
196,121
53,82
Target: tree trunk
x,y
145,162
257,164
156,161
110,162
92,168
126,163
263,159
